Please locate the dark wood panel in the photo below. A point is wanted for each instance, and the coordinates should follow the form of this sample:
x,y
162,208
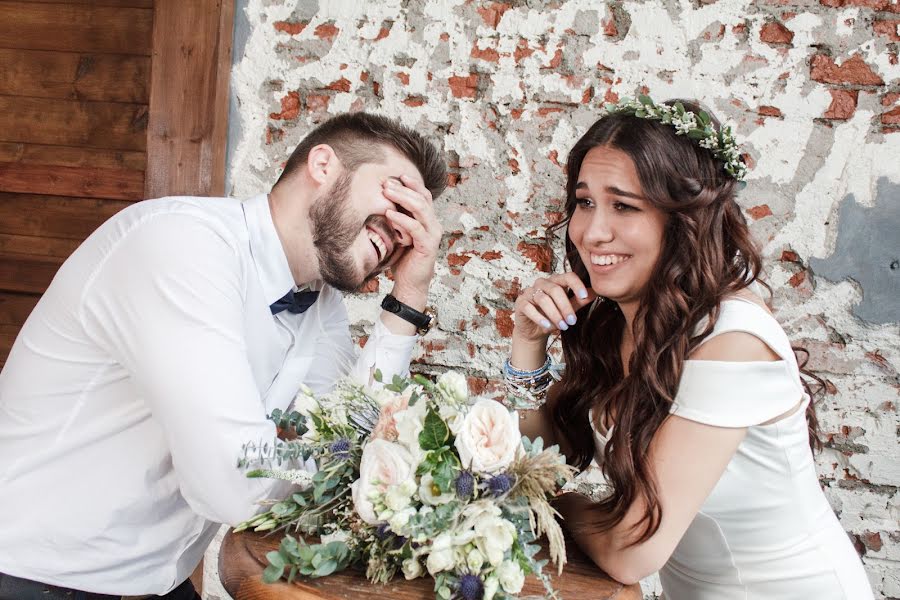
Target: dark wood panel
x,y
83,182
71,156
53,216
8,335
15,308
27,273
76,28
191,59
42,246
70,123
75,76
126,3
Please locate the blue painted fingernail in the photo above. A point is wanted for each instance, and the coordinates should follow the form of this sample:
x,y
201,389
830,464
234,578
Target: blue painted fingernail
x,y
570,319
582,294
545,324
562,325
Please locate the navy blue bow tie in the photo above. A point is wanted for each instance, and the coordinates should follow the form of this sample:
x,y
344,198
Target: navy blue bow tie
x,y
294,302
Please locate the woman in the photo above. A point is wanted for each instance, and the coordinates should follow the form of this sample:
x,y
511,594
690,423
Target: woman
x,y
678,380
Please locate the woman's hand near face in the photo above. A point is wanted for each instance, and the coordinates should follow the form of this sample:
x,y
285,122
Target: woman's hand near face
x,y
547,306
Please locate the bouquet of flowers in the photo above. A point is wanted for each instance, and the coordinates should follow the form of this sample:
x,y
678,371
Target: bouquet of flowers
x,y
413,478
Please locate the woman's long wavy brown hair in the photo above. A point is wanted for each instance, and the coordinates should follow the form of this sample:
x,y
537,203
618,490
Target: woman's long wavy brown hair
x,y
707,255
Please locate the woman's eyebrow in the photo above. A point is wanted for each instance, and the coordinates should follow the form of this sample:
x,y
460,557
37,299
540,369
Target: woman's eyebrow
x,y
611,189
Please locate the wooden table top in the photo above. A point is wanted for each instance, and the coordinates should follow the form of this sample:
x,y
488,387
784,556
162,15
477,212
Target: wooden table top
x,y
242,559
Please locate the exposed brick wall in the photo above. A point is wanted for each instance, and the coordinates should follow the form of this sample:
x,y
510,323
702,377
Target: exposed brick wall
x,y
811,88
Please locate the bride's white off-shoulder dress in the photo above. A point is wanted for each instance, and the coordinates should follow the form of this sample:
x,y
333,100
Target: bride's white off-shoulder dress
x,y
766,531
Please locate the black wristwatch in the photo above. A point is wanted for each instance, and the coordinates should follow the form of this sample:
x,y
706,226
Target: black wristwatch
x,y
423,321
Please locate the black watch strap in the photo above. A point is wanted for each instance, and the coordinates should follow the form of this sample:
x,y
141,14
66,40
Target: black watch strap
x,y
422,321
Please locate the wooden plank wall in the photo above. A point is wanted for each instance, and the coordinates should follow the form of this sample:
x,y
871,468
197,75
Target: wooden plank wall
x,y
74,96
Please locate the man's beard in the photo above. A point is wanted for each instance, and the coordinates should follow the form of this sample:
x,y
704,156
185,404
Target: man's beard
x,y
334,233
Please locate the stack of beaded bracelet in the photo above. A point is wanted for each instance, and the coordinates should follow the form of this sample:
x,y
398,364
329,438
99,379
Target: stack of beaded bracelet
x,y
529,388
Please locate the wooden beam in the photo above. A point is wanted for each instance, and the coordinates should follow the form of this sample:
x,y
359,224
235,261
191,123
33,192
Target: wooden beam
x,y
111,125
75,76
15,308
41,246
123,3
54,216
187,132
82,182
76,28
71,156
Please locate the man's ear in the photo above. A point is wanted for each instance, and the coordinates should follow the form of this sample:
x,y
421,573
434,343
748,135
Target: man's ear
x,y
322,163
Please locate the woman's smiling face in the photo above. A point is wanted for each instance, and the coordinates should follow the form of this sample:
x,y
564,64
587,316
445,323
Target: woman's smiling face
x,y
618,233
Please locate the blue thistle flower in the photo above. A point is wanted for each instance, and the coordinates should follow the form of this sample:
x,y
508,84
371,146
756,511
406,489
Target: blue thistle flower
x,y
382,531
500,484
340,448
471,587
465,485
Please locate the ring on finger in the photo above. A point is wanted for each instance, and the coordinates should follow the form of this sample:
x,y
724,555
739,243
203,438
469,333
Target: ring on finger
x,y
536,292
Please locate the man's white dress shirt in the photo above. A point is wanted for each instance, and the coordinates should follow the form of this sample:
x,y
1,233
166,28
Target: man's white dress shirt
x,y
150,360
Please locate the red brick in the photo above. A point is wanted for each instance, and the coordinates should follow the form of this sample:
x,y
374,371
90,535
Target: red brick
x,y
493,13
382,33
843,104
556,60
539,254
523,50
880,5
853,71
891,117
872,540
759,212
609,26
463,86
797,278
488,54
790,256
370,287
290,107
452,179
317,102
491,255
326,31
514,166
341,85
414,101
769,111
890,29
458,260
289,27
504,323
776,33
404,78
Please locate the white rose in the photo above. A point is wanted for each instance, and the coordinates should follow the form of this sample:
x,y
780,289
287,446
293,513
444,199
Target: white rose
x,y
452,416
511,577
305,401
454,386
489,437
383,464
412,568
441,556
396,498
431,494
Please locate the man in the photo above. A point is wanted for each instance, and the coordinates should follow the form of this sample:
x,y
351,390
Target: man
x,y
169,335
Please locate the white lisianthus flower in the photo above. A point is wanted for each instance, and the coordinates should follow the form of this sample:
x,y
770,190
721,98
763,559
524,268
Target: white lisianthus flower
x,y
412,568
409,424
452,416
511,577
494,535
431,494
454,386
305,401
441,557
400,520
491,585
474,560
489,437
383,464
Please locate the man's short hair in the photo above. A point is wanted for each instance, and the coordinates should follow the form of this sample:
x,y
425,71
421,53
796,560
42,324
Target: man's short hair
x,y
359,138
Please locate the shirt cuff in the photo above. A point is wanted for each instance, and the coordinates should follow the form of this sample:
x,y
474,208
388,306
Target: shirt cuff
x,y
385,351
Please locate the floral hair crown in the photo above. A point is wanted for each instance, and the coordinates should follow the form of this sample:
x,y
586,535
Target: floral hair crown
x,y
697,127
